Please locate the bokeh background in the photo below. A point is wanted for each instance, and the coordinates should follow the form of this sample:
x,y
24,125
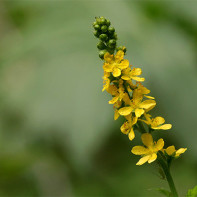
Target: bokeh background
x,y
57,133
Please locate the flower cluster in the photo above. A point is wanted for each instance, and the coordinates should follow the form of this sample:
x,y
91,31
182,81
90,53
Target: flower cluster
x,y
132,101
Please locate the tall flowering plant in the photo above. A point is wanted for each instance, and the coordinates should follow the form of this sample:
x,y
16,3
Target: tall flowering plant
x,y
131,100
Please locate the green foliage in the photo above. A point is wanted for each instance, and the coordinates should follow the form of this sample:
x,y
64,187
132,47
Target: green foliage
x,y
192,192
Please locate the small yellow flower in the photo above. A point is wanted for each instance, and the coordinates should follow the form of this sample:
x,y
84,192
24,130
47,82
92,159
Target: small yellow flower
x,y
106,81
115,64
117,93
156,123
128,74
127,127
171,151
149,153
137,105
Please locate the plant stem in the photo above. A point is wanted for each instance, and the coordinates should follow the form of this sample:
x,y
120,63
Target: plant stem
x,y
168,176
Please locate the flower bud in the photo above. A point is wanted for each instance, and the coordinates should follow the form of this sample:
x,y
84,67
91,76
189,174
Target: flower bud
x,y
96,34
102,53
101,45
104,28
111,30
103,37
102,20
96,27
108,23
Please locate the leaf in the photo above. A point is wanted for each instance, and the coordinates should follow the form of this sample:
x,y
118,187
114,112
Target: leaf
x,y
192,192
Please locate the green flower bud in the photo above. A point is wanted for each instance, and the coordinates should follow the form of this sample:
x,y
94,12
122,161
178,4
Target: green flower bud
x,y
111,51
112,42
102,20
111,30
104,28
96,34
94,23
98,21
123,48
108,23
101,45
114,36
96,27
102,53
103,37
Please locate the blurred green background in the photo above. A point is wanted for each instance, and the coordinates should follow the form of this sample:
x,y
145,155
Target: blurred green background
x,y
57,133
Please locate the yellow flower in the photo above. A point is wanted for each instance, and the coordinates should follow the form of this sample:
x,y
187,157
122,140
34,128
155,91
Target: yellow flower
x,y
137,105
156,123
106,81
127,127
115,64
128,74
117,93
149,153
171,151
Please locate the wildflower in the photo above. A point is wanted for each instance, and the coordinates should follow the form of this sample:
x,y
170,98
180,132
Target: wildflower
x,y
156,123
137,105
127,127
106,81
117,93
115,64
149,153
129,74
171,151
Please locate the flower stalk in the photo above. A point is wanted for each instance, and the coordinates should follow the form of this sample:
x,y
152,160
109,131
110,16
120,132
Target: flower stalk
x,y
131,100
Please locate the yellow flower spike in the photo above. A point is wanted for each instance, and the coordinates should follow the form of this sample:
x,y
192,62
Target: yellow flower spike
x,y
171,151
149,153
156,123
115,64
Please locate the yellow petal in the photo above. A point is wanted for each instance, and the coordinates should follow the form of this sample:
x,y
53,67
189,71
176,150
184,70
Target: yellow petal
x,y
125,128
138,78
107,67
143,160
170,150
116,72
139,150
125,77
108,57
158,121
114,100
123,64
139,112
136,71
147,139
152,158
164,127
150,97
180,151
116,115
147,104
125,111
119,55
131,134
159,145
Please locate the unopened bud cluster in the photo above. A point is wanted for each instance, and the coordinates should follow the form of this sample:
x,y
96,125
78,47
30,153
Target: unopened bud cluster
x,y
107,37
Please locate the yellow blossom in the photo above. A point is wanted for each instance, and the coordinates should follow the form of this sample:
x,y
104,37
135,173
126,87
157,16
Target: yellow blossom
x,y
137,105
156,123
128,74
149,153
171,151
117,93
115,64
106,81
127,127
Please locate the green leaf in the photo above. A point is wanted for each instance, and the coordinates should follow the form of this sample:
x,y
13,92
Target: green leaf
x,y
192,192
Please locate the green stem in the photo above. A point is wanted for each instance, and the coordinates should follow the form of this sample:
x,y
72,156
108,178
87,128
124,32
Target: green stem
x,y
168,176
